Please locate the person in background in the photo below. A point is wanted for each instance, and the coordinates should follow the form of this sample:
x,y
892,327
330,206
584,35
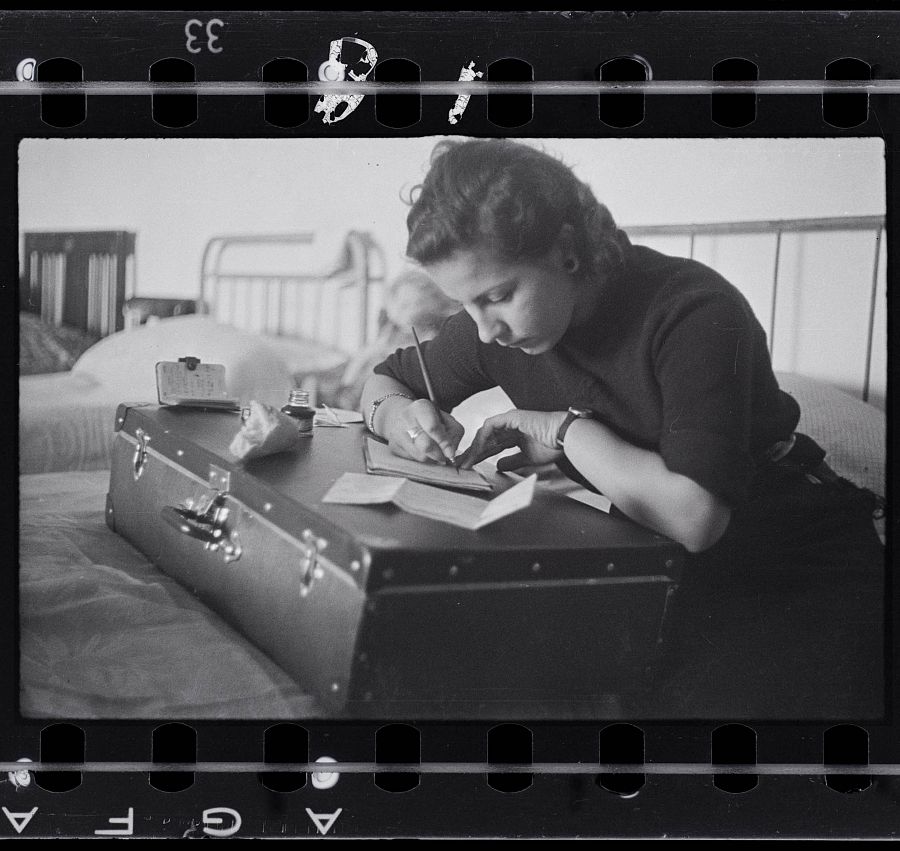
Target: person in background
x,y
411,301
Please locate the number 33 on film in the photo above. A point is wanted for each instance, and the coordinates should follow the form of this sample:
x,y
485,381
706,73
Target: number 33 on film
x,y
195,29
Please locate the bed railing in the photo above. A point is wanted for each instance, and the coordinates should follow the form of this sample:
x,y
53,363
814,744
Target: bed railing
x,y
278,284
815,284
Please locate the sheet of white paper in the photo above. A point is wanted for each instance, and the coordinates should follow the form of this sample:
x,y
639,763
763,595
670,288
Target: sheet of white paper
x,y
336,417
459,509
516,498
440,504
594,500
565,486
362,489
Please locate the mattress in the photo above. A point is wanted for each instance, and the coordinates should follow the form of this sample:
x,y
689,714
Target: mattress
x,y
65,423
853,433
104,634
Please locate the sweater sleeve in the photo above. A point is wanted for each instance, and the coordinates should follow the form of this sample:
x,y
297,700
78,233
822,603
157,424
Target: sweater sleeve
x,y
705,353
453,360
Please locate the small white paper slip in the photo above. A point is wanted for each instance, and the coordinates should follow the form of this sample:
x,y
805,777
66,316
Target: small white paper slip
x,y
204,385
594,500
336,417
467,512
565,486
362,489
516,498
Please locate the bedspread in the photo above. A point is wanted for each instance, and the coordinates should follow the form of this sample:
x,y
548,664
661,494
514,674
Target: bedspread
x,y
104,634
65,423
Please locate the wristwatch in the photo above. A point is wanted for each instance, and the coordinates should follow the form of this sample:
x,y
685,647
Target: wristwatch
x,y
574,414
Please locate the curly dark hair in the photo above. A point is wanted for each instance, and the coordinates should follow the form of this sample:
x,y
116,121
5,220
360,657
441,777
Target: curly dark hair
x,y
510,199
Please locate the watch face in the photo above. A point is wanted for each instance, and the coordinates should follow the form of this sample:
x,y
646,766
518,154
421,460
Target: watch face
x,y
584,413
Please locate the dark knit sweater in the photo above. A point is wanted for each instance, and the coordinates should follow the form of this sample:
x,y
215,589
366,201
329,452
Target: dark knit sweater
x,y
673,360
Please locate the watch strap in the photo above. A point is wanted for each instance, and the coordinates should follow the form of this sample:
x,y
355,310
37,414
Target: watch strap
x,y
571,416
370,422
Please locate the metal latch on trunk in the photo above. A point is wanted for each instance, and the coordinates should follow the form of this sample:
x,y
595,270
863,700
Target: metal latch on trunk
x,y
310,568
140,452
206,520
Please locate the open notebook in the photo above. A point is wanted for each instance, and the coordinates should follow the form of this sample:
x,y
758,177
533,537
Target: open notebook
x,y
382,462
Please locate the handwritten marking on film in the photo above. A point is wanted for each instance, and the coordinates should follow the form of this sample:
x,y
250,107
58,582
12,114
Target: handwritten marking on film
x,y
337,68
337,107
467,74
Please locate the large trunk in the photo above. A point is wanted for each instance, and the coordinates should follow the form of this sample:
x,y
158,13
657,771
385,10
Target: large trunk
x,y
553,612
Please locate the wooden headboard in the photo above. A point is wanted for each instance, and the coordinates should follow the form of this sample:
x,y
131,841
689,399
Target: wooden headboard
x,y
80,279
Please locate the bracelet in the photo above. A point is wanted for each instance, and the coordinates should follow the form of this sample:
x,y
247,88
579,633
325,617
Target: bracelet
x,y
374,407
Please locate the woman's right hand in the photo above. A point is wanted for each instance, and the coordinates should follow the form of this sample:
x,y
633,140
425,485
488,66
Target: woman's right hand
x,y
420,431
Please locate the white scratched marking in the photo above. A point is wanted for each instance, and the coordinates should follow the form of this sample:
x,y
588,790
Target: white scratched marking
x,y
329,104
467,74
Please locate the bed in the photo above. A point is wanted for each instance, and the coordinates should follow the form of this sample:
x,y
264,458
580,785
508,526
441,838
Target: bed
x,y
152,650
104,634
272,329
314,320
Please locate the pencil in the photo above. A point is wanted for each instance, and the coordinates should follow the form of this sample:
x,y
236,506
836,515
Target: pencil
x,y
428,385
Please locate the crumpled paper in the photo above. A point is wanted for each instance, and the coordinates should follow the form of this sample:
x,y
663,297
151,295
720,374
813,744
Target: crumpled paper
x,y
265,431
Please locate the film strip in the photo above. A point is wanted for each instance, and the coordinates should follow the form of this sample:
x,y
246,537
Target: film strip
x,y
141,151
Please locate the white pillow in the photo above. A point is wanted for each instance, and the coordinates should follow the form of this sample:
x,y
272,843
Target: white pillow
x,y
125,362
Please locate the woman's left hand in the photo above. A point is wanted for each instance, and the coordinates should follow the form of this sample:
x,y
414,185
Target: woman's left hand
x,y
534,432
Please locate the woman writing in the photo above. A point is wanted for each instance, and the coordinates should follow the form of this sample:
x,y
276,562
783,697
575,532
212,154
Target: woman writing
x,y
644,376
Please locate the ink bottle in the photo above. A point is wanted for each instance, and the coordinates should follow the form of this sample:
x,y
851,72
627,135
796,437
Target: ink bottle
x,y
299,410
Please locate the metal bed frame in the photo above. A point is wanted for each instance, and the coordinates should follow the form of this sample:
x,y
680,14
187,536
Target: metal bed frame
x,y
349,283
777,228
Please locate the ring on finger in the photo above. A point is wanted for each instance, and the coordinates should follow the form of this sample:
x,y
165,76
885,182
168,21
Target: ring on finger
x,y
414,432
